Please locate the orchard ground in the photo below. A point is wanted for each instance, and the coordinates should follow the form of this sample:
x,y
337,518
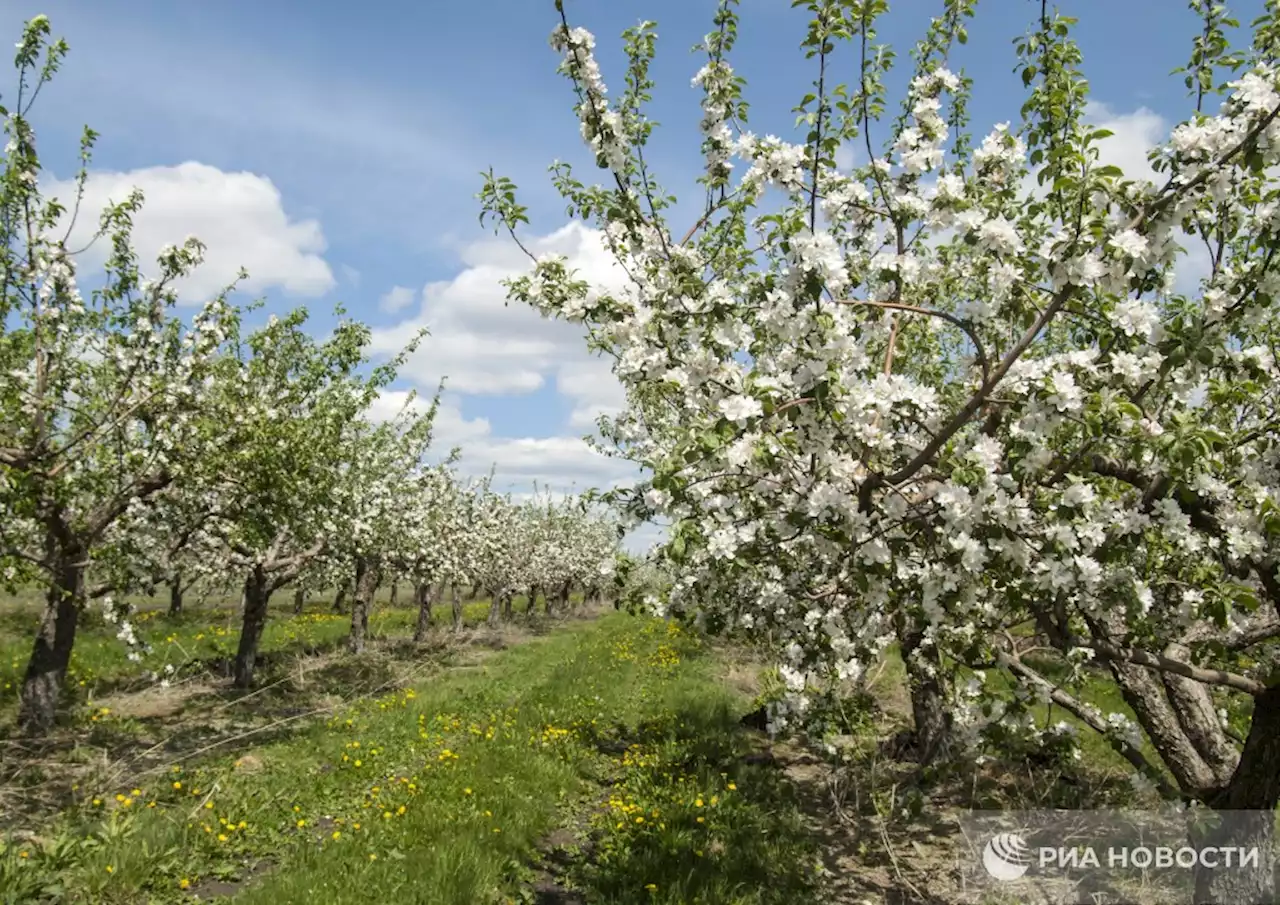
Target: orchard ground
x,y
589,760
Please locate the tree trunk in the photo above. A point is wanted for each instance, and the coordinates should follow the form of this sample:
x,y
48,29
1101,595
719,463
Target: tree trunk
x,y
508,601
175,595
532,608
254,620
495,608
366,586
1253,794
51,654
562,599
340,598
395,592
457,608
299,600
423,598
933,728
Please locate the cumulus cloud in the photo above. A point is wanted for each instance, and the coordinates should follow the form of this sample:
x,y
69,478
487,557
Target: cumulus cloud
x,y
396,299
485,346
1135,134
240,218
560,463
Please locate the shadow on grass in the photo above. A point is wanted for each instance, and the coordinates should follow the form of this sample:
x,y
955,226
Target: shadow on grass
x,y
685,817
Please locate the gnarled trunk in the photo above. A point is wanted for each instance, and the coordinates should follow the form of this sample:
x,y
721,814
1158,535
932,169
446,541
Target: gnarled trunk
x,y
562,598
457,607
395,592
532,608
340,599
175,594
1254,789
299,600
508,601
51,654
933,727
423,598
257,591
495,608
367,575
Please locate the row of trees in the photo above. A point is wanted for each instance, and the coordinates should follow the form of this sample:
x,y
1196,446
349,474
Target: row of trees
x,y
137,447
966,391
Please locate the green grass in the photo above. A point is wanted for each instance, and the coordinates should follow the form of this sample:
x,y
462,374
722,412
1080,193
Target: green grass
x,y
196,639
441,793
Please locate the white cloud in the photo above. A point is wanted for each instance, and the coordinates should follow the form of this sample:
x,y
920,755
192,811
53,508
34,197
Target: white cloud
x,y
644,538
1135,134
396,299
591,385
238,216
485,346
561,463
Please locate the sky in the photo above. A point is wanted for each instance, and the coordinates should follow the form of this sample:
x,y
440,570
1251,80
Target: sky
x,y
334,151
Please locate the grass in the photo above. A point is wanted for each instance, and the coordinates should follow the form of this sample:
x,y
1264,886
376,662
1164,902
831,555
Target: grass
x,y
201,638
616,734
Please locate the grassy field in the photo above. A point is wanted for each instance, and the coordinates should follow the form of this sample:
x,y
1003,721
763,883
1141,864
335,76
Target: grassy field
x,y
595,759
600,761
202,638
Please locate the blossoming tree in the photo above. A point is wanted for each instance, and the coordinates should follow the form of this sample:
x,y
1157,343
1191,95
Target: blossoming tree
x,y
101,398
959,390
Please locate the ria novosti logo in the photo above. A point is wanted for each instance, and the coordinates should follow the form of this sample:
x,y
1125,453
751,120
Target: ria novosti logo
x,y
1006,857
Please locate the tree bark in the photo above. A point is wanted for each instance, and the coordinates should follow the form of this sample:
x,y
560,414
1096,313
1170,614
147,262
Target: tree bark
x,y
367,575
340,598
532,608
299,600
51,654
1255,789
257,590
423,598
175,594
508,602
495,608
933,727
395,592
562,598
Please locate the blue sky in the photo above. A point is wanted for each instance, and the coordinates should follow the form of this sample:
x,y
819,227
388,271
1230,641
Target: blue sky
x,y
333,149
